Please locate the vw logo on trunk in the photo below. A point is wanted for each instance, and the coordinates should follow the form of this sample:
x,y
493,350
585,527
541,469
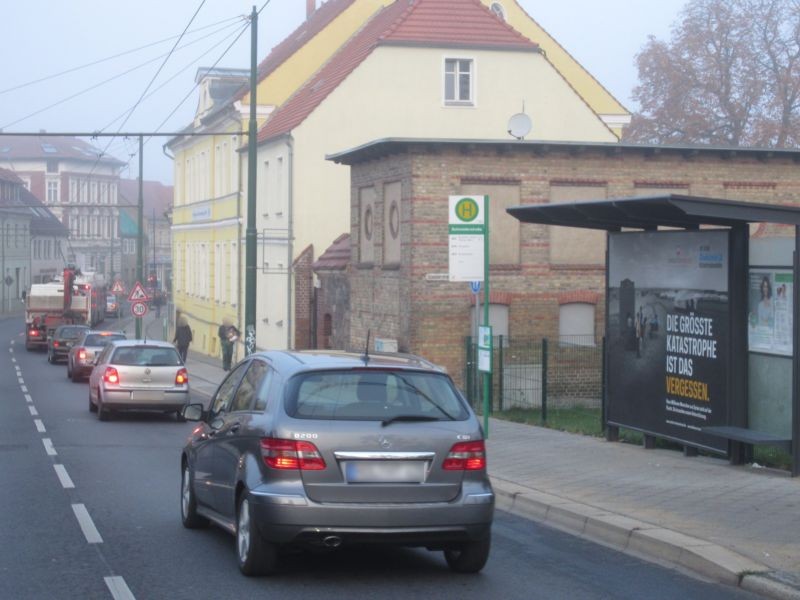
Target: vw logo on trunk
x,y
384,443
147,371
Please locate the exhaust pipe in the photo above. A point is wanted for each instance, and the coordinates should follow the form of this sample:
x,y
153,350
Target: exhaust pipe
x,y
332,541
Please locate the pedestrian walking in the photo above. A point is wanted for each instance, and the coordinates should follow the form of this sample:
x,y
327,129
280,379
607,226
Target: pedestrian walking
x,y
183,337
228,335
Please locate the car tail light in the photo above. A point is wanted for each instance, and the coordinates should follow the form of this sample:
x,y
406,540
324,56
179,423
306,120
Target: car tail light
x,y
82,353
34,332
291,455
55,344
182,377
111,375
466,456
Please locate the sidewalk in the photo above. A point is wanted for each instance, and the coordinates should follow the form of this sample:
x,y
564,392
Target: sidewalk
x,y
736,524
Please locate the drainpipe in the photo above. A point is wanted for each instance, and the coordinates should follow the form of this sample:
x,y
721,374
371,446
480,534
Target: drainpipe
x,y
290,246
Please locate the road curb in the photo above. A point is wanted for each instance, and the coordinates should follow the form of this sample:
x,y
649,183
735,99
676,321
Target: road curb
x,y
645,540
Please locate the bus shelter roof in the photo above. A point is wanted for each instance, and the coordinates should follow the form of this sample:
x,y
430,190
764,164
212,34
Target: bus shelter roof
x,y
651,212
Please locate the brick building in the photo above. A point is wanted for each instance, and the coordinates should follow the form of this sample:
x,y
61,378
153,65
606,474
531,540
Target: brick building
x,y
545,281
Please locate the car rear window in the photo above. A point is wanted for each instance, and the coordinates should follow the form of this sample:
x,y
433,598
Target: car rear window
x,y
146,356
98,339
374,396
71,332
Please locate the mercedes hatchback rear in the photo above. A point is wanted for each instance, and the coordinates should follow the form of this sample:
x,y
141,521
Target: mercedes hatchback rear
x,y
330,449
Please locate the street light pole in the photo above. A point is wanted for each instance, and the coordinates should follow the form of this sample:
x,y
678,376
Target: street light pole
x,y
140,230
250,233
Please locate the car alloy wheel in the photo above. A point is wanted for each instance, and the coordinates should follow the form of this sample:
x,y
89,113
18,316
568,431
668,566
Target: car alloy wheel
x,y
256,555
189,516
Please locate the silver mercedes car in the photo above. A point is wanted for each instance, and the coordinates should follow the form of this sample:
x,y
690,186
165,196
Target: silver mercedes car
x,y
325,449
138,375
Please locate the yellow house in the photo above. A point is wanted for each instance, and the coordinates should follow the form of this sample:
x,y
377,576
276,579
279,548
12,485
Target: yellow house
x,y
210,205
413,71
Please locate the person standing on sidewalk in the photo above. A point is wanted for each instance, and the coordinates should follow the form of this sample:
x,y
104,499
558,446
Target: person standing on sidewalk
x,y
183,337
228,335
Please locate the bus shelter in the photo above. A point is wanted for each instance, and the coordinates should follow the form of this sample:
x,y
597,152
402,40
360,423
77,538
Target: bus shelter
x,y
701,324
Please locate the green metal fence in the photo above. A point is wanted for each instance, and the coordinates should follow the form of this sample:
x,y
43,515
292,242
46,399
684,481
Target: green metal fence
x,y
538,373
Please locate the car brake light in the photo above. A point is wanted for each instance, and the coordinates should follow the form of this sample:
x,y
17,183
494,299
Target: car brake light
x,y
466,456
111,375
291,455
34,332
55,344
82,353
182,377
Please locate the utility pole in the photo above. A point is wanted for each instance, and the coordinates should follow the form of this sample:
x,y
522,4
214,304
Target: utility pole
x,y
140,230
251,234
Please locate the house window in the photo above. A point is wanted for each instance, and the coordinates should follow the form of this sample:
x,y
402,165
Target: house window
x,y
52,191
458,81
571,246
503,249
576,324
498,319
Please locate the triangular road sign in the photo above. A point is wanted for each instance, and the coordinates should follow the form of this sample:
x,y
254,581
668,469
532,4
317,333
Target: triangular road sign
x,y
117,288
138,294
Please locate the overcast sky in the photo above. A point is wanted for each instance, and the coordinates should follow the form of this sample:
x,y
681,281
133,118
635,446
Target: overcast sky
x,y
43,38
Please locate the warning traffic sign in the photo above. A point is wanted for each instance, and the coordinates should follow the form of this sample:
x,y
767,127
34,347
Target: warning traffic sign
x,y
139,309
118,288
138,294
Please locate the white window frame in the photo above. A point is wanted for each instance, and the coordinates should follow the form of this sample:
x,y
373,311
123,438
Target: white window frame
x,y
52,190
472,101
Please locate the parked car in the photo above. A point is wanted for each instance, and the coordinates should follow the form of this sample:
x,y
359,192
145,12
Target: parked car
x,y
111,304
138,375
80,360
62,340
325,449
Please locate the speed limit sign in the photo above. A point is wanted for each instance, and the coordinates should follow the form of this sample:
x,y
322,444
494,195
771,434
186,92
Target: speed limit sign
x,y
139,309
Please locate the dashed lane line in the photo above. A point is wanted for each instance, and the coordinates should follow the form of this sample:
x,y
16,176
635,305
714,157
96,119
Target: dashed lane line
x,y
28,398
24,389
34,412
119,589
48,447
39,426
63,477
86,524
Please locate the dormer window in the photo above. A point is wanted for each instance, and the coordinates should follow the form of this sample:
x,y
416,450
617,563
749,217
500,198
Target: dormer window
x,y
498,9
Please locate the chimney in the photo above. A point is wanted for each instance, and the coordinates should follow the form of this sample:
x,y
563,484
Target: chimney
x,y
311,6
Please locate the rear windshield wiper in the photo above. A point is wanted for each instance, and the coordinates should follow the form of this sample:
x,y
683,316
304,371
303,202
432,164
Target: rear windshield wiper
x,y
409,418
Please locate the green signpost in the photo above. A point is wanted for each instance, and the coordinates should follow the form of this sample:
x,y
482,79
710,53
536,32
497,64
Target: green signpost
x,y
468,242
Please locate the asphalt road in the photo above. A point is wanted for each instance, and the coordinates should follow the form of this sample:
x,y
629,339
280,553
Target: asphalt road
x,y
119,527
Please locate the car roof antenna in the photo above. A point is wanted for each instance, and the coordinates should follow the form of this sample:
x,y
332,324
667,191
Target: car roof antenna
x,y
366,348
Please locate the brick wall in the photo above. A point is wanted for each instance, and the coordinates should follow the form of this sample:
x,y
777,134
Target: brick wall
x,y
303,298
431,317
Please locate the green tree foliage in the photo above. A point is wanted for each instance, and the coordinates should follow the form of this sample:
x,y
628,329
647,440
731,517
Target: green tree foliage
x,y
730,75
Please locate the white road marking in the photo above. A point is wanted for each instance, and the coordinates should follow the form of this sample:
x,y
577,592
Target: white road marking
x,y
39,425
119,589
87,525
20,380
24,389
63,477
28,398
48,447
13,359
34,412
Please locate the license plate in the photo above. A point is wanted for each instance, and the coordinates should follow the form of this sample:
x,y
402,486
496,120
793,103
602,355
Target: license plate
x,y
385,471
147,396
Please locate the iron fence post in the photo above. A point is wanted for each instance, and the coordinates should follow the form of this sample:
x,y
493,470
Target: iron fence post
x,y
500,369
544,380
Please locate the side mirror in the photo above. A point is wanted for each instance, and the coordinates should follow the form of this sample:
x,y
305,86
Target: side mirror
x,y
193,412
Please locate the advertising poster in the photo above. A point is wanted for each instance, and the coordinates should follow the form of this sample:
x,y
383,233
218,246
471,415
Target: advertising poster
x,y
668,333
769,310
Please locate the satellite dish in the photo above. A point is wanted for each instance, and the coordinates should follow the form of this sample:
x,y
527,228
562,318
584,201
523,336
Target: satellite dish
x,y
519,125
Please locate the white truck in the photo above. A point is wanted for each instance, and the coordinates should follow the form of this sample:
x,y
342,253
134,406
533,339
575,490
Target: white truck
x,y
48,305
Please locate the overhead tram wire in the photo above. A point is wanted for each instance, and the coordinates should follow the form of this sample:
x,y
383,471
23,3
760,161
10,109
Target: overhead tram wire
x,y
174,76
105,81
152,81
191,91
112,57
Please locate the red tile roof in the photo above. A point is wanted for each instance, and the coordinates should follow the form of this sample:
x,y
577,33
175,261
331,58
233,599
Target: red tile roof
x,y
156,196
336,257
318,21
17,147
10,176
429,23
